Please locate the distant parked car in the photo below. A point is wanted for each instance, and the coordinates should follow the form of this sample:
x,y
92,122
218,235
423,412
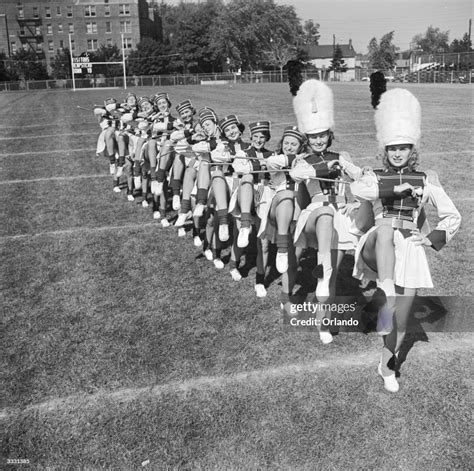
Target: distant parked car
x,y
389,78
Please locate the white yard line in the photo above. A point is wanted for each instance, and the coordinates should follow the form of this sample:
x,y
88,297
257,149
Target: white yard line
x,y
43,136
369,359
42,152
47,179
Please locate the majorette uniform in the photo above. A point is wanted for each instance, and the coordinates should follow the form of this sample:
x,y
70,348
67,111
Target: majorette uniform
x,y
405,213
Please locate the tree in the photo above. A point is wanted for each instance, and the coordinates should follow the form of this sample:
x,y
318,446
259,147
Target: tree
x,y
107,54
310,33
461,45
433,41
337,62
150,58
27,65
6,74
382,56
61,64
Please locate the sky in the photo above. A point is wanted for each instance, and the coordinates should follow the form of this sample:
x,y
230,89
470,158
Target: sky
x,y
361,20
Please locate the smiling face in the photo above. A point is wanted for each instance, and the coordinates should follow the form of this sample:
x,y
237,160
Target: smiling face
x,y
232,132
398,155
319,142
209,127
146,107
258,140
290,145
162,105
132,101
186,115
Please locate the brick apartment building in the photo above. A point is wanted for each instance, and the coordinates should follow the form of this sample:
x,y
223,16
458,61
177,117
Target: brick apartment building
x,y
44,26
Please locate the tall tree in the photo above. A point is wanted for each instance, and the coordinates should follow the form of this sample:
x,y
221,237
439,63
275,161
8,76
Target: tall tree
x,y
149,58
107,54
433,41
27,65
382,55
310,33
461,45
338,64
61,64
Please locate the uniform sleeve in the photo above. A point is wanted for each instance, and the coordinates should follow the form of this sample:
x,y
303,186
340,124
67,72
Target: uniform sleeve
x,y
277,162
366,187
450,219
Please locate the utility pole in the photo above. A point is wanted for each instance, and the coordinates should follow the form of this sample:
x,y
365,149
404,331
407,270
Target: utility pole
x,y
470,22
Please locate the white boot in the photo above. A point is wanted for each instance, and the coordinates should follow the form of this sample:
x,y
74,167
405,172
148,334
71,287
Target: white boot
x,y
176,202
386,312
388,376
281,262
322,289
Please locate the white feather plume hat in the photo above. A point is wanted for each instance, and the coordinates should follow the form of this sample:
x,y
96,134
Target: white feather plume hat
x,y
398,118
314,107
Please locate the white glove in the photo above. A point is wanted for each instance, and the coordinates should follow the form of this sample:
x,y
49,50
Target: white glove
x,y
126,118
99,111
177,135
111,107
159,127
104,124
221,154
302,171
202,146
242,166
143,125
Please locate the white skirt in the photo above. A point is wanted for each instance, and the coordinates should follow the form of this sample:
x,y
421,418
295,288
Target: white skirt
x,y
342,238
411,265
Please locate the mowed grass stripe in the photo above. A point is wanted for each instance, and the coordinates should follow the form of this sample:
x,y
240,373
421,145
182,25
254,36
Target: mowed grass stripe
x,y
46,152
369,358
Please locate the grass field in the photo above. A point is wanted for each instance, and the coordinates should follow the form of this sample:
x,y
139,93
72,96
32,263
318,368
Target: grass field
x,y
123,348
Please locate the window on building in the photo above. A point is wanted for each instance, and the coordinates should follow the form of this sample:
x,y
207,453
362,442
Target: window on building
x,y
39,47
13,47
50,45
92,44
91,28
108,27
35,12
37,31
89,10
49,29
107,10
47,12
124,9
21,12
58,11
60,28
127,43
22,31
73,45
109,42
61,44
69,11
125,27
71,28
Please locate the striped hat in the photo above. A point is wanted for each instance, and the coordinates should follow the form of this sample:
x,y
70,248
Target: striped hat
x,y
110,101
185,105
260,126
207,113
293,131
160,96
142,100
231,119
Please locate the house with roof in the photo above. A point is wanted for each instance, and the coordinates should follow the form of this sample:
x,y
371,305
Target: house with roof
x,y
321,56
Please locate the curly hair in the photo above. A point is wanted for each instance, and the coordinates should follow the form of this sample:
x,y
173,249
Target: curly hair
x,y
412,163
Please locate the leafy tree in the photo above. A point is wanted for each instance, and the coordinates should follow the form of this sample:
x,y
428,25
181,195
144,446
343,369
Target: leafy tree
x,y
461,45
310,33
107,54
150,58
384,55
5,69
61,64
27,65
433,41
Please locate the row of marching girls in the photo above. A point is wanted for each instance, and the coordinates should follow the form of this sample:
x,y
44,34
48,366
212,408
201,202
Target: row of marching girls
x,y
305,195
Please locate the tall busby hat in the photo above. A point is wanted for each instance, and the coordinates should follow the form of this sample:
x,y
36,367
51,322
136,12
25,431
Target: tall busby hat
x,y
398,118
314,107
161,96
260,126
293,131
231,119
185,105
207,113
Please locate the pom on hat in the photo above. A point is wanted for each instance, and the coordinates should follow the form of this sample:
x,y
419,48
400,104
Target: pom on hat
x,y
260,126
207,113
185,105
231,119
293,131
314,107
295,77
161,96
398,118
378,85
